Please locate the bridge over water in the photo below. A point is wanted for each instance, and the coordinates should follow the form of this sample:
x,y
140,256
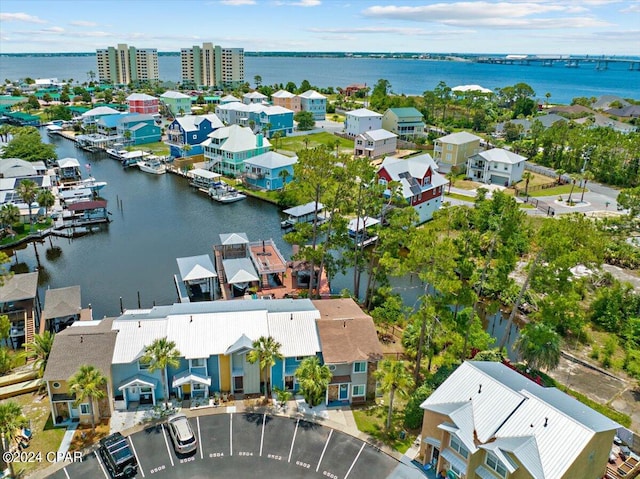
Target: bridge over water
x,y
600,63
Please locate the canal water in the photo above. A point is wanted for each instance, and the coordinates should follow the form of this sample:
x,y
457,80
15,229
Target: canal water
x,y
155,219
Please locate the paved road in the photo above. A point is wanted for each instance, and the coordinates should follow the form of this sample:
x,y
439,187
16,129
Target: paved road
x,y
252,445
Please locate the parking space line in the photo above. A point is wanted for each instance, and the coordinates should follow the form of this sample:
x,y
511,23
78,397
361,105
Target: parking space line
x,y
354,461
166,441
294,439
135,453
231,434
99,463
65,472
264,421
325,449
199,436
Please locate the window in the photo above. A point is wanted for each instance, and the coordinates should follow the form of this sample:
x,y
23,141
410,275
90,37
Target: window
x,y
299,358
494,463
56,385
84,408
142,366
456,445
289,382
360,367
358,390
197,363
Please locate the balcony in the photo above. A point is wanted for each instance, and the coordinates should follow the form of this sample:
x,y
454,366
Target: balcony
x,y
254,175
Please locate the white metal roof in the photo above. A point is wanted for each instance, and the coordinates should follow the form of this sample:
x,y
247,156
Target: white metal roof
x,y
99,111
312,94
228,239
238,138
134,336
209,175
186,377
138,380
254,94
192,122
380,134
271,160
459,138
68,163
140,96
362,223
302,210
479,88
499,155
196,267
239,270
283,94
363,112
296,332
174,95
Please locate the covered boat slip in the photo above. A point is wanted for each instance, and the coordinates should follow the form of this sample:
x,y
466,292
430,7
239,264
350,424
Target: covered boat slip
x,y
358,230
303,214
203,179
197,280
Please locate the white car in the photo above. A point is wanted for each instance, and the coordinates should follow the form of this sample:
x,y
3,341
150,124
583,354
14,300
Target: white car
x,y
184,440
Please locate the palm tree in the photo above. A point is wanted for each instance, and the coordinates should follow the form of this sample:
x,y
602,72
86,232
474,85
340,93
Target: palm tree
x,y
451,176
527,177
284,175
11,419
265,352
39,350
574,179
9,214
314,378
276,138
88,384
539,346
560,172
393,378
28,191
159,355
47,199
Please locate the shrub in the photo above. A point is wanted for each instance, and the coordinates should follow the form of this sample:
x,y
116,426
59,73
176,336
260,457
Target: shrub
x,y
413,413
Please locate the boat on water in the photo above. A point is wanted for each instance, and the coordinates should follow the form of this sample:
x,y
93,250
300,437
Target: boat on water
x,y
225,193
153,165
131,158
116,153
92,184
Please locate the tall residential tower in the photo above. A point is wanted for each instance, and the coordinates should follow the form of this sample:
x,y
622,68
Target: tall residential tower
x,y
212,66
122,65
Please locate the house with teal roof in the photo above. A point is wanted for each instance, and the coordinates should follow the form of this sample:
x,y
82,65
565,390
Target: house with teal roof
x,y
269,171
407,123
227,148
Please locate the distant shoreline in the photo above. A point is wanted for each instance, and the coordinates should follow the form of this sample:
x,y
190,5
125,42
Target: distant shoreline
x,y
382,55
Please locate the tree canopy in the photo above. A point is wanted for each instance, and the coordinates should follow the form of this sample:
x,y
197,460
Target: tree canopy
x,y
27,145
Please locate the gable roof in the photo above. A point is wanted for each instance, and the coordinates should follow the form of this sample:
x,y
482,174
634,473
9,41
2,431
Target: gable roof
x,y
346,333
312,95
91,343
174,95
59,302
255,95
192,122
271,160
196,267
236,139
101,110
228,239
459,138
543,427
378,135
408,171
239,270
500,155
140,97
283,94
405,112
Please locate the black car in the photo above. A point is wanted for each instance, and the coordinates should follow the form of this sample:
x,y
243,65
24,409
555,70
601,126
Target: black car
x,y
118,457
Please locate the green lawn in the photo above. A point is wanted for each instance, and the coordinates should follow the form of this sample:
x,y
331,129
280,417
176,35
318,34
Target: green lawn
x,y
559,190
297,143
460,197
371,420
158,148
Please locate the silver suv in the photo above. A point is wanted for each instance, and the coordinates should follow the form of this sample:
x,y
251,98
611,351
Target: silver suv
x,y
184,441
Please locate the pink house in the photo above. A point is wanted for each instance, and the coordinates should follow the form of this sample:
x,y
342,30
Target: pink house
x,y
143,104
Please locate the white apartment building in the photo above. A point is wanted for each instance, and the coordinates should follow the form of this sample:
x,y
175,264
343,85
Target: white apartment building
x,y
123,64
211,65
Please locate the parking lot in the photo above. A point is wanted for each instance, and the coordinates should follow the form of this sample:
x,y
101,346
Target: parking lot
x,y
252,446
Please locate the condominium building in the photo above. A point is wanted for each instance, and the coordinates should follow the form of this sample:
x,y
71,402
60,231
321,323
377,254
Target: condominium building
x,y
212,66
122,65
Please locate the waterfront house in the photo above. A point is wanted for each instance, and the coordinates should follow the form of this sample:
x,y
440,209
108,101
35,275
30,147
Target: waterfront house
x,y
137,129
87,343
488,421
254,97
15,168
190,130
143,104
91,117
19,302
315,103
69,170
360,121
227,148
269,171
453,151
351,350
375,143
496,166
353,89
407,123
421,184
62,308
287,100
228,99
177,103
260,118
213,339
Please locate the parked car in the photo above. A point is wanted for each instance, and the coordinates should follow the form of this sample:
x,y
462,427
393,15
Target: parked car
x,y
118,457
184,440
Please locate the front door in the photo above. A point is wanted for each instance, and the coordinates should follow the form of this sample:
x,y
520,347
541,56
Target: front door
x,y
344,392
74,412
238,384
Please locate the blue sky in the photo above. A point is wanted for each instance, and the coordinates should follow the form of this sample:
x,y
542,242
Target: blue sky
x,y
596,27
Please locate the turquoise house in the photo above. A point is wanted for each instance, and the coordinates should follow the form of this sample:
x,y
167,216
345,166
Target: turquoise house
x,y
141,129
269,171
226,149
178,103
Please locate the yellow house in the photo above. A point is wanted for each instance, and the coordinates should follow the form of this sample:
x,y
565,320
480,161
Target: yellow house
x,y
453,151
83,343
487,421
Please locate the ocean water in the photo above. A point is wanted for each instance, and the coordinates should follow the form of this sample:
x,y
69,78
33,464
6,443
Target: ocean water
x,y
407,76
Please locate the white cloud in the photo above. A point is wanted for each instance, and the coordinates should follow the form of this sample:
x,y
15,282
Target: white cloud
x,y
83,23
56,30
633,8
20,17
300,3
236,3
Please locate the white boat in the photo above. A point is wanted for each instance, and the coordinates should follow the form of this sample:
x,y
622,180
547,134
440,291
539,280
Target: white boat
x,y
225,193
92,184
132,158
152,164
115,153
